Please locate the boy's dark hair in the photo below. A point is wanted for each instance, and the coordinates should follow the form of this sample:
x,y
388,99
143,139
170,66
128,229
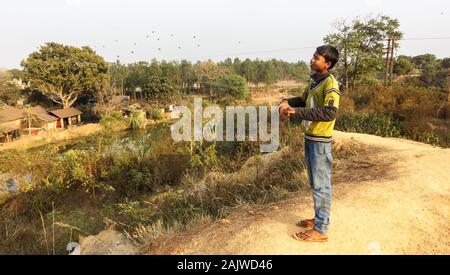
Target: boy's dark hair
x,y
330,53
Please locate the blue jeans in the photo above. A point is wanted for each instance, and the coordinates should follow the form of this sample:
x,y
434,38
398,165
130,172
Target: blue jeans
x,y
319,163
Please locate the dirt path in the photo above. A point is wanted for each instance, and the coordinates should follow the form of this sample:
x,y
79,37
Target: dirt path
x,y
273,96
394,199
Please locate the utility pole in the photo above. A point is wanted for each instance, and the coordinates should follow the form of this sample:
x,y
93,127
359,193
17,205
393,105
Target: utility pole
x,y
448,87
389,70
391,65
345,69
388,56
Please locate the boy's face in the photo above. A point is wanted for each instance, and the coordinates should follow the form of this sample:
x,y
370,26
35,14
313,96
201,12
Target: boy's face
x,y
318,63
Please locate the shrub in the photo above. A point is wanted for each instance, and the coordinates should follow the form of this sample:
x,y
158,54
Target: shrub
x,y
114,120
232,85
155,114
137,120
413,112
75,169
372,123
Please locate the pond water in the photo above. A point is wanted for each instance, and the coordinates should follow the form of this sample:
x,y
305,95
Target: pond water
x,y
105,138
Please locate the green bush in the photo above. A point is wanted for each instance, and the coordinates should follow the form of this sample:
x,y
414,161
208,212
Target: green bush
x,y
114,120
428,137
372,123
232,85
74,169
137,120
205,157
155,114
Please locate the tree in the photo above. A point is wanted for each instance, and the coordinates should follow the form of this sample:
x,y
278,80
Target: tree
x,y
343,39
267,72
362,45
171,71
403,65
9,90
137,74
64,73
158,87
118,74
237,66
232,85
207,72
300,71
187,74
428,66
104,96
423,61
227,65
445,63
432,71
248,69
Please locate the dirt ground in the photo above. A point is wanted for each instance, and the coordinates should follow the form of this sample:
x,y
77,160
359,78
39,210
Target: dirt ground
x,y
273,95
393,199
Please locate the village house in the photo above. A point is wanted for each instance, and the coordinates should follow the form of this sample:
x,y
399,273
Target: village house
x,y
67,117
11,120
45,120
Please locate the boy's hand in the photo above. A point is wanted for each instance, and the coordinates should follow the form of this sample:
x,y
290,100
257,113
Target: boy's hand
x,y
285,110
283,106
290,111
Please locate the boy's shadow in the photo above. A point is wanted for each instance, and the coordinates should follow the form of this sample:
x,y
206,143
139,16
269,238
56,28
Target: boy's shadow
x,y
290,220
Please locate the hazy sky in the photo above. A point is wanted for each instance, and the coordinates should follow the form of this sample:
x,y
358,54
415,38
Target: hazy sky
x,y
284,29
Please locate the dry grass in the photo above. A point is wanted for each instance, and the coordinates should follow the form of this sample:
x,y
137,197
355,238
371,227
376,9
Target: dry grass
x,y
400,111
28,142
172,204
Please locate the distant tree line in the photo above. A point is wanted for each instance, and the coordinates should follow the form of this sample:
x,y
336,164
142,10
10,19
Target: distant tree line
x,y
157,78
424,70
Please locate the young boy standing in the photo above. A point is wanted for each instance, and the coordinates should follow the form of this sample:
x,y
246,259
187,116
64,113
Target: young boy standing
x,y
317,107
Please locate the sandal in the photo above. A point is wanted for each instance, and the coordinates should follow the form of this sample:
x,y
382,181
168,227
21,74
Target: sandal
x,y
308,224
307,236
